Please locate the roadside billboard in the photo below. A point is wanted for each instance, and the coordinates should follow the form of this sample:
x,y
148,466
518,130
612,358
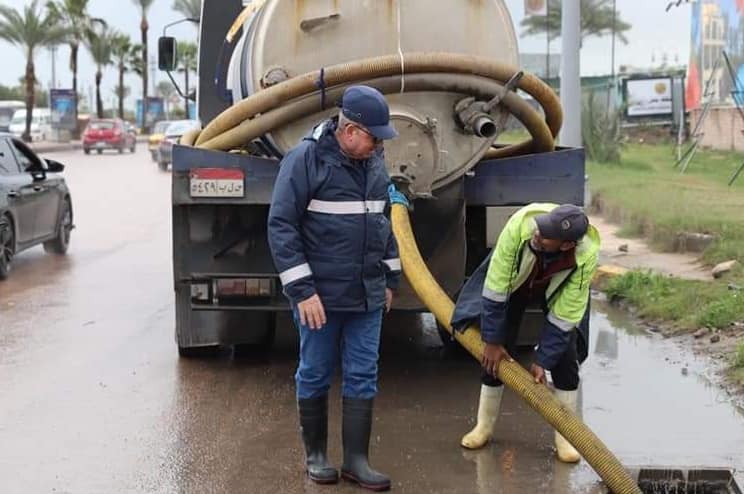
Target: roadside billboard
x,y
717,26
62,106
648,97
155,111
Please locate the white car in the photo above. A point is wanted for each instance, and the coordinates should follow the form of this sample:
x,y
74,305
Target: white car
x,y
41,126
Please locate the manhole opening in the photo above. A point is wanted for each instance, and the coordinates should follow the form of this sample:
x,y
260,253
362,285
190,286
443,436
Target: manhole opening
x,y
686,481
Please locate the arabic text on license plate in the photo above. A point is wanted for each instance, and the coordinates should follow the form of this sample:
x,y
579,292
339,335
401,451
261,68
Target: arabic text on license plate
x,y
216,182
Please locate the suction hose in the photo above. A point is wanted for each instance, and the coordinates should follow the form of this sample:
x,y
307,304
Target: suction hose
x,y
481,87
512,374
389,65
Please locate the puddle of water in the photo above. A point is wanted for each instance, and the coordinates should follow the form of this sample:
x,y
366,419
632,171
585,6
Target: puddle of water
x,y
650,402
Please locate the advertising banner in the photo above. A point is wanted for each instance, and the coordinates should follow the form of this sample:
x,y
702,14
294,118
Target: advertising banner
x,y
155,111
717,26
62,105
646,97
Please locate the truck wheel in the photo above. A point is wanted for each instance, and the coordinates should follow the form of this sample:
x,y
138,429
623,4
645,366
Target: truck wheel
x,y
197,352
61,243
86,150
121,150
264,343
99,151
7,246
163,165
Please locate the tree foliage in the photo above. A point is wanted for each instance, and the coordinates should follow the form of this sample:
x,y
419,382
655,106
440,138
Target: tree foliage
x,y
596,20
30,29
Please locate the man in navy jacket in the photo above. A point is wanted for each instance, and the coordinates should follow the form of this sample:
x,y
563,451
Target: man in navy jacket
x,y
338,263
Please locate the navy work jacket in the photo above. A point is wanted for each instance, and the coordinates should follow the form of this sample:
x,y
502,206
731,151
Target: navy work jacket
x,y
327,227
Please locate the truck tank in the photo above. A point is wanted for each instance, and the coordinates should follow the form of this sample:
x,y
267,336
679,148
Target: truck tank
x,y
287,38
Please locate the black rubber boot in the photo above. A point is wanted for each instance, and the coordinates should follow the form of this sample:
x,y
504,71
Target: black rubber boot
x,y
314,426
357,425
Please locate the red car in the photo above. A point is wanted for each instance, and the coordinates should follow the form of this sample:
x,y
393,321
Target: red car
x,y
108,134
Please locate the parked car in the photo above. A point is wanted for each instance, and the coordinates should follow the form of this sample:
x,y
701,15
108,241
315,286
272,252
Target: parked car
x,y
7,109
101,134
172,134
158,133
35,202
41,123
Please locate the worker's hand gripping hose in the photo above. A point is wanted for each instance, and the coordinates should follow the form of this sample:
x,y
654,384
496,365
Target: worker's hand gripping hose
x,y
512,374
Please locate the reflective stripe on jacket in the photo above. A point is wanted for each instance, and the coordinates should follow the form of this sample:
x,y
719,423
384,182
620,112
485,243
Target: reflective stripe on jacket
x,y
327,229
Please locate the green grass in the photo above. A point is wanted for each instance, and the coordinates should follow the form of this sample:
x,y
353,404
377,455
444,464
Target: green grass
x,y
687,304
648,196
739,358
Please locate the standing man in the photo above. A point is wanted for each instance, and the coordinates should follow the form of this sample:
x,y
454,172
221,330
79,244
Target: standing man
x,y
546,254
338,263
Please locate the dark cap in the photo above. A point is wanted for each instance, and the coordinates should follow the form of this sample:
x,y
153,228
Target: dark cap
x,y
566,222
367,106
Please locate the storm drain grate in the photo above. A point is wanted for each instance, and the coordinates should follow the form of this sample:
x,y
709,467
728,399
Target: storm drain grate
x,y
686,481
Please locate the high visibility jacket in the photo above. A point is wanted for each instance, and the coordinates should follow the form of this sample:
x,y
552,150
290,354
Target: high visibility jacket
x,y
327,227
566,296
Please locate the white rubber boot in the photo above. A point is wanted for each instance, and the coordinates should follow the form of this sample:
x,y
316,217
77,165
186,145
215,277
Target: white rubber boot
x,y
488,412
565,452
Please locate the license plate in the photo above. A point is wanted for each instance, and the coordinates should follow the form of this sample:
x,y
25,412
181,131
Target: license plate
x,y
216,182
100,144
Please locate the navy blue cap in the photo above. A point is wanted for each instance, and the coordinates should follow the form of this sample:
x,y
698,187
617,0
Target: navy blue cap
x,y
367,106
566,222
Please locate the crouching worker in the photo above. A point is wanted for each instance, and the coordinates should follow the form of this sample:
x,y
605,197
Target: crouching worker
x,y
548,254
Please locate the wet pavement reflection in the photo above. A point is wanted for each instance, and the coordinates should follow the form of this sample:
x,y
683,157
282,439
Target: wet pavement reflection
x,y
95,399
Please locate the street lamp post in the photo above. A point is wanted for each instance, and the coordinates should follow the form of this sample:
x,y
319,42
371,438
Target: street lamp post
x,y
570,80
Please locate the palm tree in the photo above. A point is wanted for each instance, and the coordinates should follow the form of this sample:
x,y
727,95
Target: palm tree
x,y
29,30
189,8
166,91
73,14
187,57
100,45
596,20
123,53
144,6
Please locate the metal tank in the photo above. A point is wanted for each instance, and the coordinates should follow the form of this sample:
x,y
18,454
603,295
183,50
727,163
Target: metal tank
x,y
287,38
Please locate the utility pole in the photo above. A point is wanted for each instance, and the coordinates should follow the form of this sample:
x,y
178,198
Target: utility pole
x,y
53,52
153,74
547,38
570,73
611,93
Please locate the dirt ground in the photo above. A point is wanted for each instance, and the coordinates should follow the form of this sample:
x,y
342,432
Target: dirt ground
x,y
715,346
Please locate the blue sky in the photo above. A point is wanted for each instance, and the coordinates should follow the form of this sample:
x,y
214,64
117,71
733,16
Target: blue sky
x,y
655,32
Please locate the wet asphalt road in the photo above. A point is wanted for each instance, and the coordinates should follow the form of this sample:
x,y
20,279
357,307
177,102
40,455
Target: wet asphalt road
x,y
94,399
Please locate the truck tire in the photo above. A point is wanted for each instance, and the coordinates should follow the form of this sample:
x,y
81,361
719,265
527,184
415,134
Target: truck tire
x,y
198,352
7,246
264,343
61,243
163,165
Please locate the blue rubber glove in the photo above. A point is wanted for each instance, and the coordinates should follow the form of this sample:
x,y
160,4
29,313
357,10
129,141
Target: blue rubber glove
x,y
397,197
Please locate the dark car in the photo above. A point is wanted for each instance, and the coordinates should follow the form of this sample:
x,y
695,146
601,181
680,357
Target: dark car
x,y
173,133
101,134
35,203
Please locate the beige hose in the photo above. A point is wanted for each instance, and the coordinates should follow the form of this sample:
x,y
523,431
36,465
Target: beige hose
x,y
512,374
387,65
542,139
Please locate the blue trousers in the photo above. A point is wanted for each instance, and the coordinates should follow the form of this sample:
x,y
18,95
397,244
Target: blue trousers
x,y
355,337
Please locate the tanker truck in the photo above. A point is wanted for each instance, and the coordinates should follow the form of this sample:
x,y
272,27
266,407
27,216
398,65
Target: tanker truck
x,y
269,71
